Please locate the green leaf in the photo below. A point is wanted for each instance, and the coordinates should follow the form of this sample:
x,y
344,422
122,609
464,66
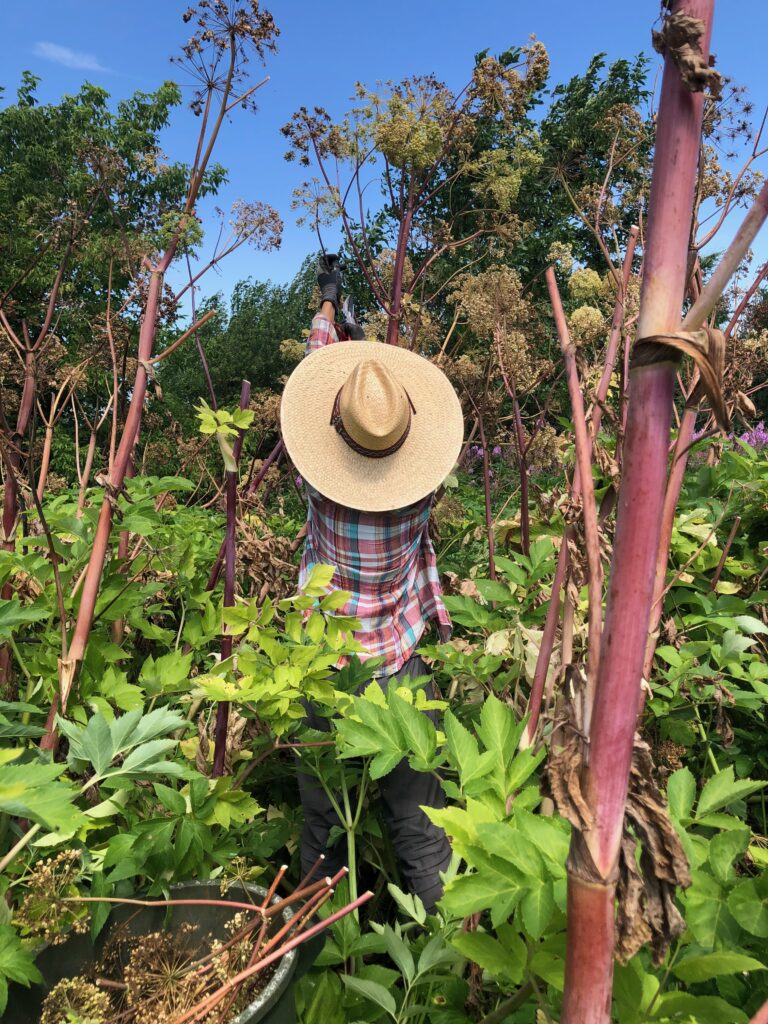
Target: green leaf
x,y
371,990
166,674
410,905
461,743
145,758
549,967
550,837
170,799
684,1006
489,954
319,580
750,624
722,789
435,953
335,600
706,911
492,590
417,729
733,646
710,965
96,744
14,614
16,964
32,791
399,953
724,848
537,907
749,908
495,886
681,793
325,1006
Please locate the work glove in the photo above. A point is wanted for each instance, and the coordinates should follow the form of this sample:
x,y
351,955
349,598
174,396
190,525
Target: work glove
x,y
329,279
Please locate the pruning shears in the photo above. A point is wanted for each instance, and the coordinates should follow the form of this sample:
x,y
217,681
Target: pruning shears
x,y
348,311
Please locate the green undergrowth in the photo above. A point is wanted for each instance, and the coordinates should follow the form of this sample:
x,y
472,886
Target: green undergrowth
x,y
129,802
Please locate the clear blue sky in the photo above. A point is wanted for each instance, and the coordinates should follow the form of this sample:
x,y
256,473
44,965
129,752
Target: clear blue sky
x,y
124,45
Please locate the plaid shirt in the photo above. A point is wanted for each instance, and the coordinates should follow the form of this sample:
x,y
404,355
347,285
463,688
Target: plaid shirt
x,y
385,559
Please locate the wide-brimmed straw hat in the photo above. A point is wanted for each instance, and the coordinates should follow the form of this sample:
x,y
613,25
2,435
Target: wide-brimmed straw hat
x,y
371,426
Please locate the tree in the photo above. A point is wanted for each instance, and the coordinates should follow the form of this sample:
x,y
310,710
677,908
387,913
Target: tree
x,y
418,140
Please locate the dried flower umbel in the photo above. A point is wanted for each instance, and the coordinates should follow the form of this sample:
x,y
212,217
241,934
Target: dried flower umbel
x,y
159,983
228,34
76,1001
47,909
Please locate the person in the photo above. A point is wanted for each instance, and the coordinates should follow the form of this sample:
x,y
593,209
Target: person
x,y
374,430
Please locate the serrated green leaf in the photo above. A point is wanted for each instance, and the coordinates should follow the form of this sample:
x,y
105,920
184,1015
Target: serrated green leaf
x,y
17,963
417,730
537,907
681,793
461,743
724,848
319,580
14,614
710,965
170,798
749,908
723,789
489,954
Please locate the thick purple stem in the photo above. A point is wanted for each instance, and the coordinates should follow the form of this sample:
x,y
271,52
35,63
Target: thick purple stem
x,y
222,712
594,852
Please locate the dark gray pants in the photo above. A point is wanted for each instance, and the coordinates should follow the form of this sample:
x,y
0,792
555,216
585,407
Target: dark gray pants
x,y
421,847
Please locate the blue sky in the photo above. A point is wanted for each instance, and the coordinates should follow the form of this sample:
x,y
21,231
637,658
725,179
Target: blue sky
x,y
324,47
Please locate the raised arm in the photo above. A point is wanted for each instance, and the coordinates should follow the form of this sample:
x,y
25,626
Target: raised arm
x,y
325,330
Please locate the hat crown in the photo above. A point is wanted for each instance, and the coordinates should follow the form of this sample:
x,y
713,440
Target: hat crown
x,y
374,406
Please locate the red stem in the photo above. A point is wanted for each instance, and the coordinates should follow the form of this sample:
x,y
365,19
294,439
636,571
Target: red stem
x,y
614,338
222,711
553,610
589,510
211,1001
589,953
393,323
215,573
521,453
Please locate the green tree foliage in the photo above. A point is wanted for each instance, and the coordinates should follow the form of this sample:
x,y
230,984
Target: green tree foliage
x,y
85,193
88,170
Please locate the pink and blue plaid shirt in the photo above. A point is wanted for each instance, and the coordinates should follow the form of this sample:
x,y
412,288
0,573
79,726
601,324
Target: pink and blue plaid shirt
x,y
384,559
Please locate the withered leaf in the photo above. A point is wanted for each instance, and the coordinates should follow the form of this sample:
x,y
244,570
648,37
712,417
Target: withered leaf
x,y
679,39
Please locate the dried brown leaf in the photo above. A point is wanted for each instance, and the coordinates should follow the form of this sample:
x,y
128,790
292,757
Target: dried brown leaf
x,y
679,39
663,865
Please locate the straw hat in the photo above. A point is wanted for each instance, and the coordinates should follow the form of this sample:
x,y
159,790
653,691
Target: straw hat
x,y
371,426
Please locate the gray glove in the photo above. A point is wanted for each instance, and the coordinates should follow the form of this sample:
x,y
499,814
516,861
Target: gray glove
x,y
329,279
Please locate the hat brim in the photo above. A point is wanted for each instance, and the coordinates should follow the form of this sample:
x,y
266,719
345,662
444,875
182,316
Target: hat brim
x,y
356,481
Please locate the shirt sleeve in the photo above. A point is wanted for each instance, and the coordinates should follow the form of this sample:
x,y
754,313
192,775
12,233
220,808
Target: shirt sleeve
x,y
323,333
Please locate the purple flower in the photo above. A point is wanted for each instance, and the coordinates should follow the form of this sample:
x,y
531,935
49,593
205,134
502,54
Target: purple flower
x,y
757,437
299,481
496,451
